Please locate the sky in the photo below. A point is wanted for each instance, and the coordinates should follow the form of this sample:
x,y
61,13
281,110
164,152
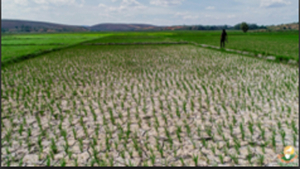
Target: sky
x,y
155,12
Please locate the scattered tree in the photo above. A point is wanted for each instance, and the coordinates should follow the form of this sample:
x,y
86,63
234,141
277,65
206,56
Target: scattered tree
x,y
244,27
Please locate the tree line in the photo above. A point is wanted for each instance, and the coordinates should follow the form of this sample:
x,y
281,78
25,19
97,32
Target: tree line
x,y
241,26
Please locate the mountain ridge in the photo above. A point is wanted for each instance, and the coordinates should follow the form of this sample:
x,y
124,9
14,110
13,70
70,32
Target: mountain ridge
x,y
11,25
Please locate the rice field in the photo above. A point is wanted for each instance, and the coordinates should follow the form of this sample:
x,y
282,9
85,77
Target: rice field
x,y
266,43
19,45
284,46
147,105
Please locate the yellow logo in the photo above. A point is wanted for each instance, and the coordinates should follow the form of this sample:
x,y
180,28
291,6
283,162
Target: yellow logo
x,y
288,155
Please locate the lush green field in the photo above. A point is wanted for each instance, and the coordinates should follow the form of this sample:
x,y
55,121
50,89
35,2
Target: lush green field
x,y
12,52
134,37
147,105
16,46
266,43
271,43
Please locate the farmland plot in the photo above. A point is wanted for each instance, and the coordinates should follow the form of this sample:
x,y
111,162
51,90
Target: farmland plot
x,y
18,46
147,105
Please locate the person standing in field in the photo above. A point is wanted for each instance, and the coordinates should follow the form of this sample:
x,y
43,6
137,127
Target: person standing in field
x,y
223,38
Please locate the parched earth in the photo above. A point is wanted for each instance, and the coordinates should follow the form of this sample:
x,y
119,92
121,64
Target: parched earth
x,y
147,105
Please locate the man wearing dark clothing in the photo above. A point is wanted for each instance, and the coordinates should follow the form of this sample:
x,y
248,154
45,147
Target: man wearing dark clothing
x,y
223,38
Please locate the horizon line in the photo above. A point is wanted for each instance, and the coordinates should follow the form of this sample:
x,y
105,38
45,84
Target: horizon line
x,y
135,23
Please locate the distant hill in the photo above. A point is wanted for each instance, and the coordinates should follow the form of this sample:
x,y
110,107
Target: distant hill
x,y
33,26
16,26
290,26
121,27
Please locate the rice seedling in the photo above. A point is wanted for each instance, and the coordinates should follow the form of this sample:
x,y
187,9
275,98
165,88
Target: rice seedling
x,y
237,145
263,134
21,129
234,121
53,146
76,162
161,151
242,131
195,159
80,144
209,131
221,158
62,162
130,163
8,161
70,153
231,129
74,133
198,131
85,131
293,124
182,161
234,158
274,142
250,127
152,158
261,159
279,125
204,143
249,158
295,140
40,143
188,129
140,152
282,133
21,162
213,149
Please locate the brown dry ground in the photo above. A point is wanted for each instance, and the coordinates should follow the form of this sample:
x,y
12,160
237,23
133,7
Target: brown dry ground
x,y
151,91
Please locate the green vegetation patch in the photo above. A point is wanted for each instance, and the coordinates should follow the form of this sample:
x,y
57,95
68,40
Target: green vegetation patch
x,y
135,38
14,52
267,43
16,47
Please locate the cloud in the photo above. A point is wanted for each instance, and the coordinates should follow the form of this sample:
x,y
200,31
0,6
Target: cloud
x,y
210,7
215,17
41,1
125,5
56,2
166,3
274,3
102,5
231,16
21,2
131,3
186,15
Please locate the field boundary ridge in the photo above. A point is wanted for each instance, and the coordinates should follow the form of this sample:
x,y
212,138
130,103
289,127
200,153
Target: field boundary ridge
x,y
28,44
137,43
